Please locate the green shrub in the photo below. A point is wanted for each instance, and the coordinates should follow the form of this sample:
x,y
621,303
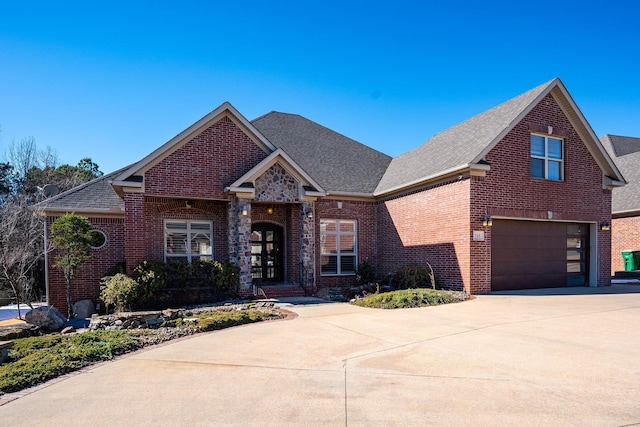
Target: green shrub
x,y
409,298
119,290
413,275
227,279
151,277
37,359
365,273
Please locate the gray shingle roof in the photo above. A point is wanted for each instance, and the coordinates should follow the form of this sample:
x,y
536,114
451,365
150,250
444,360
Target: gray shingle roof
x,y
458,145
336,162
93,195
625,151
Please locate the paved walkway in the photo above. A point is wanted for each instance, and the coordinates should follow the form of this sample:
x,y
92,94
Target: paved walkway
x,y
509,359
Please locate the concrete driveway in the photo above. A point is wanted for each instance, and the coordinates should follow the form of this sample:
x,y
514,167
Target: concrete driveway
x,y
531,358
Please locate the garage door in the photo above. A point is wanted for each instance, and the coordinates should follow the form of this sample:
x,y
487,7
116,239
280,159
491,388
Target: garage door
x,y
536,254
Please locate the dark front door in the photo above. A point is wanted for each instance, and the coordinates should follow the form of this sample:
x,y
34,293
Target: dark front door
x,y
266,253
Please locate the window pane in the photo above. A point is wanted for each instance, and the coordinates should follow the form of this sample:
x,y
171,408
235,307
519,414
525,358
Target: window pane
x,y
574,255
537,168
327,225
177,243
347,264
177,225
576,229
575,267
200,226
347,226
554,170
201,244
329,244
329,264
537,145
347,243
555,148
574,242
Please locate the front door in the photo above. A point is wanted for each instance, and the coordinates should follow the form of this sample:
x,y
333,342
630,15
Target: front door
x,y
266,253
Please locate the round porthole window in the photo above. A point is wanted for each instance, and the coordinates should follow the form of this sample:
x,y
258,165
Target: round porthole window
x,y
98,239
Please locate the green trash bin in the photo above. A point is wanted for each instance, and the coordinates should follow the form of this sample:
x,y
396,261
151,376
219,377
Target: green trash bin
x,y
629,260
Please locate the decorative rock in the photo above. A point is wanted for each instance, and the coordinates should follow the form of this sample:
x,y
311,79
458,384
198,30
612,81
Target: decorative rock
x,y
83,309
48,318
68,330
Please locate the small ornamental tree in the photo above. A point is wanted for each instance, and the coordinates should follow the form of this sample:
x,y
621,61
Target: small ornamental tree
x,y
71,236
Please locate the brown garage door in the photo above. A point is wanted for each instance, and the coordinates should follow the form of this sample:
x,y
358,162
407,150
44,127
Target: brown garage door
x,y
537,254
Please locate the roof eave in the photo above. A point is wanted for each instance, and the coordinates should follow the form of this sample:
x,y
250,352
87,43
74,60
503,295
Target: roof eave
x,y
476,169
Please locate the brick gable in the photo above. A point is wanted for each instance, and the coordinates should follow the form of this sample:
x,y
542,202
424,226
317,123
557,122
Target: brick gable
x,y
205,165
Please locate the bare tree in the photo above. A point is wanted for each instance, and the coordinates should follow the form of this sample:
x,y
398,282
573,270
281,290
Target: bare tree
x,y
21,247
23,156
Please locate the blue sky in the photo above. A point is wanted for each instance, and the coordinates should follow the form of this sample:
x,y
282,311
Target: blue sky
x,y
114,80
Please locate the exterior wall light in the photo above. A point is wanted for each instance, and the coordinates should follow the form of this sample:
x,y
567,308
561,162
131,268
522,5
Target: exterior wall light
x,y
487,221
310,214
605,226
270,210
189,204
245,211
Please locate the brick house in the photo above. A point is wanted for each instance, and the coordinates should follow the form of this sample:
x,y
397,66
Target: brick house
x,y
625,228
511,198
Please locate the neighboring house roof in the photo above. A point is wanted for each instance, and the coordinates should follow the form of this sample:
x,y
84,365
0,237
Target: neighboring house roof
x,y
463,146
626,150
338,163
94,197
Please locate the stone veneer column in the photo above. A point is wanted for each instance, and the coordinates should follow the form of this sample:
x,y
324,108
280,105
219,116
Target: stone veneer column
x,y
239,232
134,232
307,245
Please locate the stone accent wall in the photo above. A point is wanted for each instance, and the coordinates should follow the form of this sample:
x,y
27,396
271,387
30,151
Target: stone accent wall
x,y
240,242
276,185
307,246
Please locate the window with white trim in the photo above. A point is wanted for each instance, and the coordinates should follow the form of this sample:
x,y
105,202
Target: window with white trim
x,y
547,157
187,240
338,247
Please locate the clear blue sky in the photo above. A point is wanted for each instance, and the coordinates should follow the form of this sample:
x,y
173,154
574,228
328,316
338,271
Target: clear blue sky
x,y
113,80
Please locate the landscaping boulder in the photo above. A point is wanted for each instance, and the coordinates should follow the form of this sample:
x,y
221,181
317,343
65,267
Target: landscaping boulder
x,y
83,309
48,318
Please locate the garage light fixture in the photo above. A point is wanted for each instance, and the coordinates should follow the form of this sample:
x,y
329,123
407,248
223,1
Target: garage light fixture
x,y
605,226
487,221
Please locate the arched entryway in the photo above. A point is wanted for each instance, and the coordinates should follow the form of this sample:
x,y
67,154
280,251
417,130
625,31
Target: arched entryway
x,y
267,253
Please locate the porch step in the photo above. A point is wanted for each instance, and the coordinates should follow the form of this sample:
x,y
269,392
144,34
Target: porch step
x,y
634,274
275,291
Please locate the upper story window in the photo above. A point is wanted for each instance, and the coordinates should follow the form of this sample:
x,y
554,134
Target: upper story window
x,y
547,157
187,240
338,242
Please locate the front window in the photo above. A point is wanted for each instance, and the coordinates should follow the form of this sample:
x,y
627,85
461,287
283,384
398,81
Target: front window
x,y
187,240
338,242
547,158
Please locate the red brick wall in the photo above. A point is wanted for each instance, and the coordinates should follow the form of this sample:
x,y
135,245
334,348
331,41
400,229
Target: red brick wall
x,y
204,166
87,283
365,215
134,230
431,226
509,191
625,235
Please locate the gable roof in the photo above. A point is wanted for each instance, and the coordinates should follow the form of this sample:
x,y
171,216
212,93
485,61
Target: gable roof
x,y
463,147
339,164
626,150
225,109
94,197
